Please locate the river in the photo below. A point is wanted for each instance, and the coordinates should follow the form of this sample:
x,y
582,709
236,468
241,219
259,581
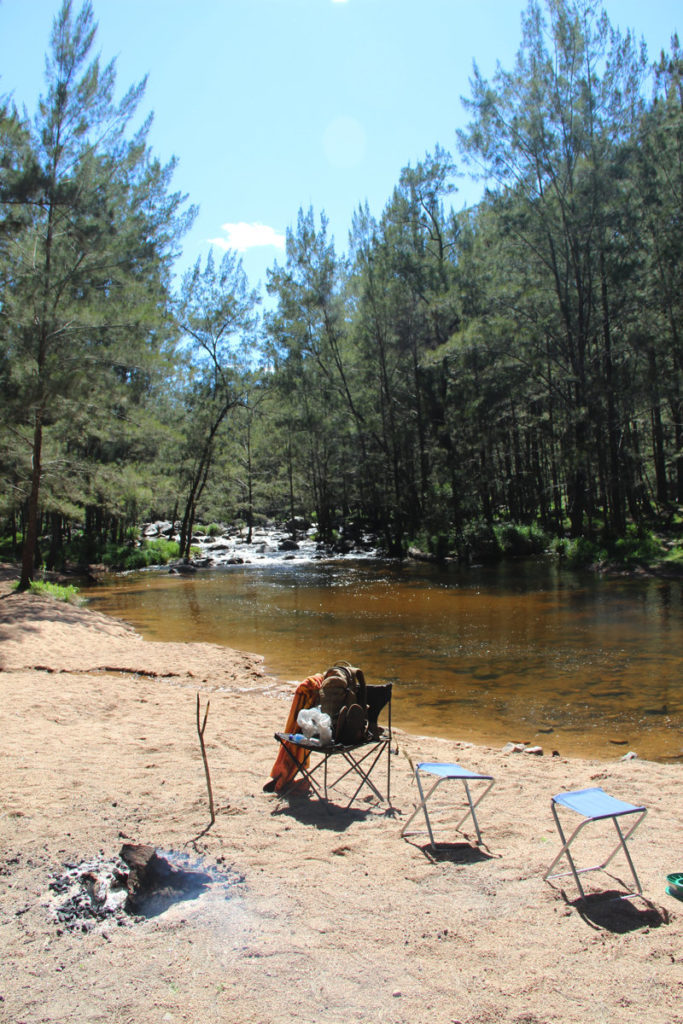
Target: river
x,y
523,652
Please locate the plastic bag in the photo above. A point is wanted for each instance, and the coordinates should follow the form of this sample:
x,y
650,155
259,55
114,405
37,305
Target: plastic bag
x,y
314,723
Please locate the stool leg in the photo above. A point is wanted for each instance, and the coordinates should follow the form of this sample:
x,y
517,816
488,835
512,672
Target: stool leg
x,y
474,817
424,807
473,804
565,851
622,840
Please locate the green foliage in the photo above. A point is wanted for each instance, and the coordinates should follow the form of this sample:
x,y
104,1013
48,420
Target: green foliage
x,y
152,552
480,543
93,233
59,592
438,545
674,556
7,548
516,540
214,530
579,553
215,315
637,549
518,362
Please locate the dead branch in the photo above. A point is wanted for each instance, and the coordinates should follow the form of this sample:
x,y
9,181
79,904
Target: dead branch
x,y
200,733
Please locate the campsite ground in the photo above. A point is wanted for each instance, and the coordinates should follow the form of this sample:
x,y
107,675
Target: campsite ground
x,y
302,912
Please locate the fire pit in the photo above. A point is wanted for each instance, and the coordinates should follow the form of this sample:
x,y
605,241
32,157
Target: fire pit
x,y
137,884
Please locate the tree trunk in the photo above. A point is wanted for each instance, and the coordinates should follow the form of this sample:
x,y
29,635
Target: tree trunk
x,y
657,431
31,534
615,495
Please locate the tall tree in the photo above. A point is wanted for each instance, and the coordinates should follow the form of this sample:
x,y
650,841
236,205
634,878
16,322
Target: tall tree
x,y
216,317
309,346
657,191
547,132
88,250
407,306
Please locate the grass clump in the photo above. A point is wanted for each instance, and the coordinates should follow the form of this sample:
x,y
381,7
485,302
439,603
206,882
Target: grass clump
x,y
214,530
67,593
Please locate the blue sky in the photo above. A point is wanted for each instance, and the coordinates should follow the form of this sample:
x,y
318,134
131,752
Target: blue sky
x,y
273,105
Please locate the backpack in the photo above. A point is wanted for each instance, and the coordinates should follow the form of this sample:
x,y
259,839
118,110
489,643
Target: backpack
x,y
343,698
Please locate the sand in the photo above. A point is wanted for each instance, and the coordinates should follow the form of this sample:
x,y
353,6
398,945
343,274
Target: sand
x,y
309,911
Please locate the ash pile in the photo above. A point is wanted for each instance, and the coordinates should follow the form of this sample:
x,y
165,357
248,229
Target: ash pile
x,y
137,884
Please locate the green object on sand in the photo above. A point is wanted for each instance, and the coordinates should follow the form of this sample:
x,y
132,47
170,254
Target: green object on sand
x,y
675,886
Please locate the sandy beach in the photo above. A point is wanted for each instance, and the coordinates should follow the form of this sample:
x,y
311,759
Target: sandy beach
x,y
302,910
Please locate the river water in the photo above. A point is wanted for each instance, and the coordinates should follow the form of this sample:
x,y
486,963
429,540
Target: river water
x,y
524,652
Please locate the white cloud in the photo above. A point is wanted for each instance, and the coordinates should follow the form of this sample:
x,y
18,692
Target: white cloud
x,y
243,236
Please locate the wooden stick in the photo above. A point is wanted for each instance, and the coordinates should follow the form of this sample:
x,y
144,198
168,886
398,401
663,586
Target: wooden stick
x,y
200,732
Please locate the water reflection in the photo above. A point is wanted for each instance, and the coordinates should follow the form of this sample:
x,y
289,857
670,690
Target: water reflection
x,y
527,652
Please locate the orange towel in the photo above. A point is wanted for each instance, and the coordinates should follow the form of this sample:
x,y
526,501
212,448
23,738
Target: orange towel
x,y
306,695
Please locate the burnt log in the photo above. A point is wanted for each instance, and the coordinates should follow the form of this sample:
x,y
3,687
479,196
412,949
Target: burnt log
x,y
154,884
144,869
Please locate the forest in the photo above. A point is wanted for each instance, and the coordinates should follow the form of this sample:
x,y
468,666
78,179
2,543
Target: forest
x,y
456,380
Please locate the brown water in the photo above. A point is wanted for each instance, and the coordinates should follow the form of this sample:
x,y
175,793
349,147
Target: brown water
x,y
528,653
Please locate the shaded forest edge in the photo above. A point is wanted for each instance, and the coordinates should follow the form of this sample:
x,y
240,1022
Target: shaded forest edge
x,y
499,381
157,545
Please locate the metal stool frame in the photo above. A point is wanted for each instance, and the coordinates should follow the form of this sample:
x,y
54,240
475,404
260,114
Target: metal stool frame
x,y
446,771
594,805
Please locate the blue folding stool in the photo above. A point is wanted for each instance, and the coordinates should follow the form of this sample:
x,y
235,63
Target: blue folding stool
x,y
443,771
594,805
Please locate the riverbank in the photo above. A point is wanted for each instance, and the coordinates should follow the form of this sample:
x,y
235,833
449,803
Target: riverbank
x,y
324,916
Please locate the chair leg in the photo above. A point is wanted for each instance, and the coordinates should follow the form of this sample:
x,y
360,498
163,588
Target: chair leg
x,y
364,774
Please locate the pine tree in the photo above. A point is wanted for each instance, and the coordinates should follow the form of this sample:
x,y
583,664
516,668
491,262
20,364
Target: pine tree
x,y
89,275
216,317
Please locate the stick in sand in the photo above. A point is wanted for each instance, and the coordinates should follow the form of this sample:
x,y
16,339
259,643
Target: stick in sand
x,y
200,732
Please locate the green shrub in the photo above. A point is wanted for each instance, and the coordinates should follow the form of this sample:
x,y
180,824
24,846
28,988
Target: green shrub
x,y
517,541
635,549
439,545
579,552
163,551
153,552
7,549
674,556
69,593
480,542
134,558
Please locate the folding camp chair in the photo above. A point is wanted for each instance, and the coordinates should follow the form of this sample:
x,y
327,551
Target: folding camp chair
x,y
447,771
359,759
594,805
